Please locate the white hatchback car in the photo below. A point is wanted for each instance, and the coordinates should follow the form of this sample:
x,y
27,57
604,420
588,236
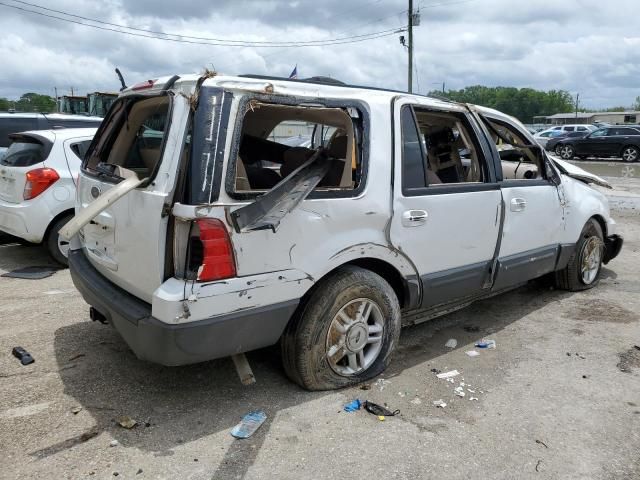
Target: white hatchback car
x,y
38,175
193,249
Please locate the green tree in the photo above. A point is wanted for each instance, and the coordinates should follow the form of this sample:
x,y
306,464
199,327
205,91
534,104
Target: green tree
x,y
5,104
522,103
636,104
34,102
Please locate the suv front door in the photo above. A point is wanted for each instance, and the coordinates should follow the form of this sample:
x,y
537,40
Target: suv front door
x,y
533,214
448,230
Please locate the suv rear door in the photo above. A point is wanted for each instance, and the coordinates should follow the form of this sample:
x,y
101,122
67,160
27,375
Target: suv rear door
x,y
448,230
133,159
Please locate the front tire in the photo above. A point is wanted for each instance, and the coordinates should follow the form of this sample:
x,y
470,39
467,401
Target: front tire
x,y
583,270
567,152
344,333
57,247
630,154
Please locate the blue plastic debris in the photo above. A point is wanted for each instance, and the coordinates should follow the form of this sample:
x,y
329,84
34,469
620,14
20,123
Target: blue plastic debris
x,y
486,344
249,424
352,406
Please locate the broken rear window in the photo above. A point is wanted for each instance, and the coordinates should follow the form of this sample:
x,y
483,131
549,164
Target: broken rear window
x,y
132,138
275,140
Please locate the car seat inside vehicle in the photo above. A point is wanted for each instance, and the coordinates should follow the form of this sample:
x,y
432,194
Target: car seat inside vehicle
x,y
451,156
265,156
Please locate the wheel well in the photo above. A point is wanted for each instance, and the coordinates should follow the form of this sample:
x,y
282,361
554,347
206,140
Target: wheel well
x,y
603,224
64,213
627,146
386,271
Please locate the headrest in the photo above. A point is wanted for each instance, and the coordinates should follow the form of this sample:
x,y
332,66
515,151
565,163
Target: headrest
x,y
439,137
338,147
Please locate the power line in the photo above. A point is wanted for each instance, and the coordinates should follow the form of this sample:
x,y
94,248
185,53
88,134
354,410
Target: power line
x,y
193,39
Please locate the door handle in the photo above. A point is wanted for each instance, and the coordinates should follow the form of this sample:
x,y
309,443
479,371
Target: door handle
x,y
414,218
518,204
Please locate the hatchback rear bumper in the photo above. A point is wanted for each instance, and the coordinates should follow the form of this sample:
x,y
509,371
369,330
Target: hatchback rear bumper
x,y
177,344
24,220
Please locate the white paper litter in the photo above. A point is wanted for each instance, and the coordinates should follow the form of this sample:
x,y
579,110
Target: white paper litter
x,y
451,343
472,353
439,403
449,374
416,401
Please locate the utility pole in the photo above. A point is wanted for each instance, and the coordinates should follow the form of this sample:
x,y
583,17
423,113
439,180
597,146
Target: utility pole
x,y
55,89
577,103
410,63
72,91
443,88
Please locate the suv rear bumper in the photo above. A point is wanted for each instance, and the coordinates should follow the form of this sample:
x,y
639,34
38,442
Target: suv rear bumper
x,y
177,344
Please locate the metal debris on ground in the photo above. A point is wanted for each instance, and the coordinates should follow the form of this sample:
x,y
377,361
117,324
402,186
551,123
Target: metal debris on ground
x,y
22,355
249,424
486,344
540,442
365,386
31,273
472,353
451,343
459,391
126,421
352,406
76,410
435,370
440,403
449,374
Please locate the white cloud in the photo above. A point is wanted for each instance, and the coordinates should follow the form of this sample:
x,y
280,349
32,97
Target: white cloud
x,y
575,45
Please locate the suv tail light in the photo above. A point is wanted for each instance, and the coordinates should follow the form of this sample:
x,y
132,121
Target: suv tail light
x,y
210,251
38,181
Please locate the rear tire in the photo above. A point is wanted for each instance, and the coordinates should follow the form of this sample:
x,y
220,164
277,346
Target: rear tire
x,y
583,270
344,333
630,154
58,248
567,152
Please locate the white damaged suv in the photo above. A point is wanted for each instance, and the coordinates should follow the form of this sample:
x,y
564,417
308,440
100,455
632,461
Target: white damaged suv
x,y
199,233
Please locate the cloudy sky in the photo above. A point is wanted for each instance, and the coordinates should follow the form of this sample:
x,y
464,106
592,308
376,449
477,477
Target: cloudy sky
x,y
586,46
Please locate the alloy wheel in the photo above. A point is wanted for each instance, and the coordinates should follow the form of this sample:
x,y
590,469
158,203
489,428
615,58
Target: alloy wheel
x,y
354,338
566,152
630,154
590,260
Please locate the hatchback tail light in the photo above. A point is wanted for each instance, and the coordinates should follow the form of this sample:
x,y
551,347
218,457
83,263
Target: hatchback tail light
x,y
38,181
210,251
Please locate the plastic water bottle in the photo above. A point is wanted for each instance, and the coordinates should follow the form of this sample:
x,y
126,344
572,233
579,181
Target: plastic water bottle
x,y
249,424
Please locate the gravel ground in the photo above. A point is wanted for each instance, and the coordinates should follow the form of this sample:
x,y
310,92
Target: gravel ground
x,y
559,398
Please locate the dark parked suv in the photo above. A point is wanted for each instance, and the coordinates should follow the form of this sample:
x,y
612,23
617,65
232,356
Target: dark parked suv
x,y
22,122
612,141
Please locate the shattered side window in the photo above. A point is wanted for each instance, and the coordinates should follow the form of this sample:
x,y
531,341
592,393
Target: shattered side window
x,y
276,140
520,159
